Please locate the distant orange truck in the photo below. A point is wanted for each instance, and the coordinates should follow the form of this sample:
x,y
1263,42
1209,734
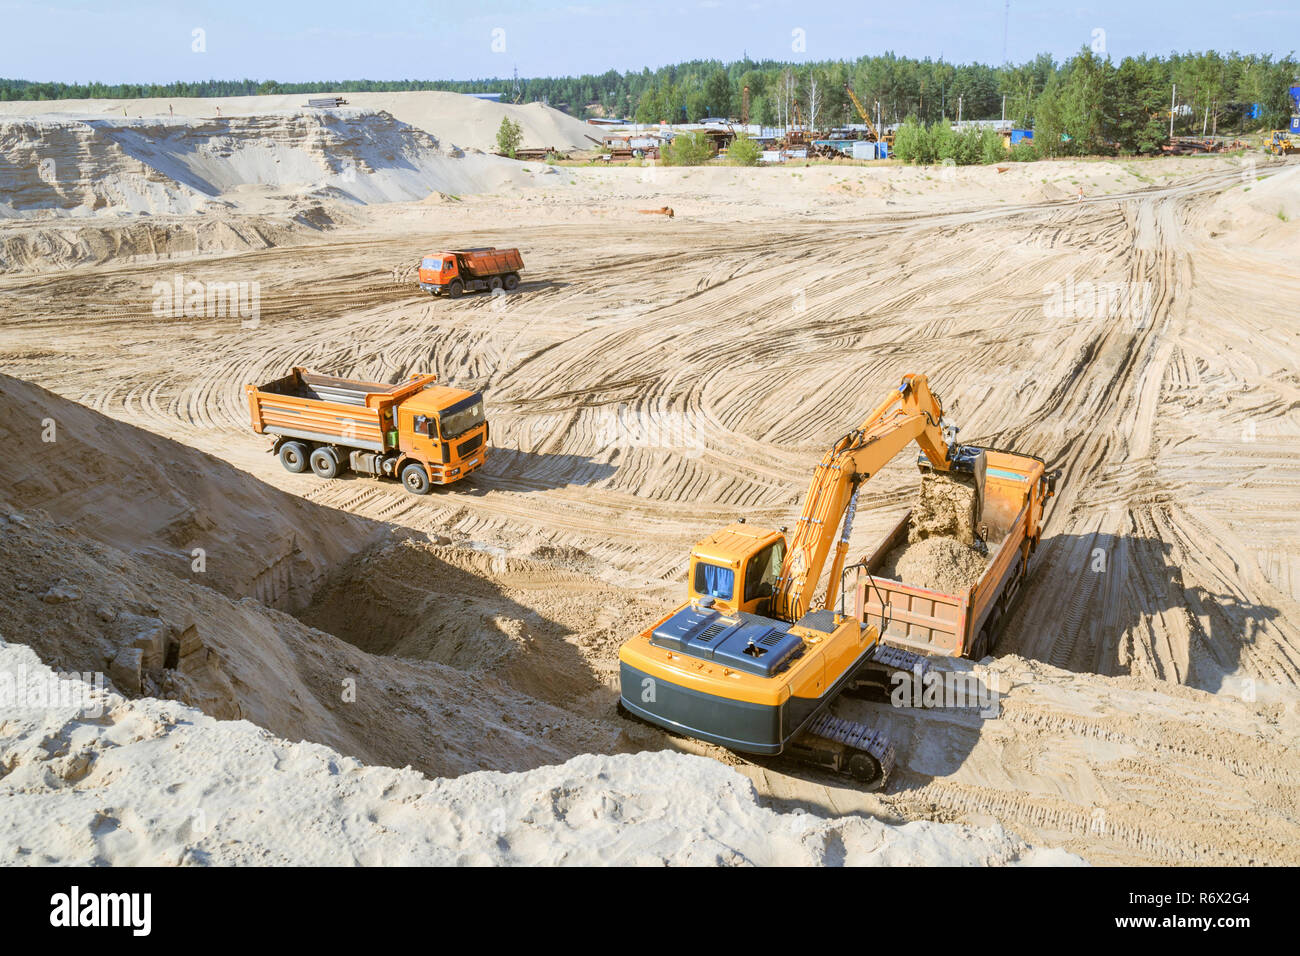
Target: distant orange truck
x,y
419,432
470,270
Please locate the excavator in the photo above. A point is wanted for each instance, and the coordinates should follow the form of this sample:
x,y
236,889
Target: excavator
x,y
749,662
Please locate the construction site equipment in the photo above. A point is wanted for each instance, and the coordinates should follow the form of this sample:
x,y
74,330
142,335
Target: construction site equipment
x,y
873,134
326,102
1013,491
419,432
749,662
1281,142
470,270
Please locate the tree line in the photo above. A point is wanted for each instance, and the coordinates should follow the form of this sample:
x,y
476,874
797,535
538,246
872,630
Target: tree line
x,y
1087,103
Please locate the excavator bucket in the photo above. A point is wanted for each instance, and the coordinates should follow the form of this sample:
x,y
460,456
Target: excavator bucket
x,y
951,503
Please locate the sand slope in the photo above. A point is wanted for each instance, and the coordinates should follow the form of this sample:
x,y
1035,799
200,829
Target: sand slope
x,y
155,783
157,166
456,119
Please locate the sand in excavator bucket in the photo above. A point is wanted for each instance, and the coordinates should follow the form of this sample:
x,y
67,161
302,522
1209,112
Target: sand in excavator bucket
x,y
948,506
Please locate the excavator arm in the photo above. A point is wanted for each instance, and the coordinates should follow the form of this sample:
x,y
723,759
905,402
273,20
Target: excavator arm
x,y
912,413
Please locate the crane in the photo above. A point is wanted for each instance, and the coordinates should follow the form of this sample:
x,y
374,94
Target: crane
x,y
862,111
747,662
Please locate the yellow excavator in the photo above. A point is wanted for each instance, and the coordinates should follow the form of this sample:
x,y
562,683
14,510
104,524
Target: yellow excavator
x,y
748,662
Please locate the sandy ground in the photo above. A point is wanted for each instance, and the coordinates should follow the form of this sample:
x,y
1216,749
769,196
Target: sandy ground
x,y
653,379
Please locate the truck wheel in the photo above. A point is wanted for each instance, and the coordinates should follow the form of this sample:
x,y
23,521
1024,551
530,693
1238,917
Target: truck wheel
x,y
324,463
293,455
512,282
415,479
494,283
455,289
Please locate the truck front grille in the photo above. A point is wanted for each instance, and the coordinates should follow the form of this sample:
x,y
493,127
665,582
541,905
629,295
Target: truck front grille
x,y
465,447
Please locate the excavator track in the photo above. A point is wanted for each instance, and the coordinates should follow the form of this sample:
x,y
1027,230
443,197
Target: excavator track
x,y
863,752
874,679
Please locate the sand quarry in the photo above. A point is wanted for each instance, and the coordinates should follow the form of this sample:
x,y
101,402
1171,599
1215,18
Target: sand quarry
x,y
358,675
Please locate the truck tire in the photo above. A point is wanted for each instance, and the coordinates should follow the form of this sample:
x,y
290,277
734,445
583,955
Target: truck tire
x,y
324,462
512,281
415,479
456,289
494,283
293,455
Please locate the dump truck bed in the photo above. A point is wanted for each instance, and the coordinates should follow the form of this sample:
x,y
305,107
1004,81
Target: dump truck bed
x,y
480,263
323,408
935,622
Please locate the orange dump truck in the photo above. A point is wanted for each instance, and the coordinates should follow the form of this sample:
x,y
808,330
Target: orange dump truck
x,y
419,432
470,270
1015,488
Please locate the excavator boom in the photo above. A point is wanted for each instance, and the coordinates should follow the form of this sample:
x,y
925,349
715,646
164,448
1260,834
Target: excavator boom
x,y
912,413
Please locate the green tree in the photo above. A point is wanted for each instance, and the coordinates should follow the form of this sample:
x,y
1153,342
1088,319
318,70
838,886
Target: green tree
x,y
509,135
717,94
688,149
992,149
744,151
911,144
942,140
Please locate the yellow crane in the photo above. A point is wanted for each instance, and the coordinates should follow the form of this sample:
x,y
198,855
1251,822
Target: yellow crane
x,y
862,111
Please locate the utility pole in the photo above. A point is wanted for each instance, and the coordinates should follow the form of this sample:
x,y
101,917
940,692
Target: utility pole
x,y
1173,98
1004,107
959,99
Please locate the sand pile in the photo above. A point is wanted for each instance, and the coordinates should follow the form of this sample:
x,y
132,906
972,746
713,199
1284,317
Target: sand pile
x,y
453,118
167,504
103,780
940,564
65,167
939,552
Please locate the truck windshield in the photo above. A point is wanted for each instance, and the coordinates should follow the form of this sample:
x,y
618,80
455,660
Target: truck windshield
x,y
717,581
434,264
461,417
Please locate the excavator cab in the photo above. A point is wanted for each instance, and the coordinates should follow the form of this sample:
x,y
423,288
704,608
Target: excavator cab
x,y
736,569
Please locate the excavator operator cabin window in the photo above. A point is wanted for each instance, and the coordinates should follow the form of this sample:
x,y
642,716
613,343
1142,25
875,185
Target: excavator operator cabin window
x,y
711,579
762,571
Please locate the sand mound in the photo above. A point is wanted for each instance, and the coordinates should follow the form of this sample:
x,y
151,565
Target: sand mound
x,y
159,501
453,118
1260,212
110,781
940,564
65,167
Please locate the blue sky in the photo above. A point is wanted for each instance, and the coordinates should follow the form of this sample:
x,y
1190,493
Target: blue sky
x,y
152,40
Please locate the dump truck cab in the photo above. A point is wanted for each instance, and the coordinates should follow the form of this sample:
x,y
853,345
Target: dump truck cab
x,y
444,427
437,270
737,568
